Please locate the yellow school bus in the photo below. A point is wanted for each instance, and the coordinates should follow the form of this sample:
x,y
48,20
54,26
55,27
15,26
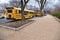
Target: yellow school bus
x,y
15,13
37,14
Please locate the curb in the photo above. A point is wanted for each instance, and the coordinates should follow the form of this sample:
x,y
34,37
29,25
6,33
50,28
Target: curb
x,y
16,29
57,19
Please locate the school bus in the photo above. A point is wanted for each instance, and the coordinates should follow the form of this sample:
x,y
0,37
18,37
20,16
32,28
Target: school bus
x,y
37,14
15,13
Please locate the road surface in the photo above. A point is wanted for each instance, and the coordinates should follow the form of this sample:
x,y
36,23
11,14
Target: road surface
x,y
3,21
43,28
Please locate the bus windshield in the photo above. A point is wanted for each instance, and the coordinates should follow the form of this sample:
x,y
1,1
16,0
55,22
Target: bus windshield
x,y
9,11
9,8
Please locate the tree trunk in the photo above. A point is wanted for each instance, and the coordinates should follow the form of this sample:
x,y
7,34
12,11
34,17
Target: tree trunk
x,y
23,4
22,11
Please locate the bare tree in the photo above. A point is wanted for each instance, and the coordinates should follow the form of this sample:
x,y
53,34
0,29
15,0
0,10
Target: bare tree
x,y
15,3
23,4
41,4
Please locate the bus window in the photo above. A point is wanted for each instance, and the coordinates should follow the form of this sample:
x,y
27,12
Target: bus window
x,y
9,11
19,11
31,12
25,12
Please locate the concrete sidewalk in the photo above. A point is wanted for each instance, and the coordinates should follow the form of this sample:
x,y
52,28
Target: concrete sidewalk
x,y
44,28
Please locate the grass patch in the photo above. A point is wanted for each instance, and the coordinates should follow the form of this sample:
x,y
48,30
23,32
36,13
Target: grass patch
x,y
56,15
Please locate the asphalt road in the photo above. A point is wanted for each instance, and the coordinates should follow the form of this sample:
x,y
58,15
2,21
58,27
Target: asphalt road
x,y
3,21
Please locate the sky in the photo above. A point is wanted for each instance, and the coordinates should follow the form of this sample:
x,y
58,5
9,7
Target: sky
x,y
32,1
50,3
4,1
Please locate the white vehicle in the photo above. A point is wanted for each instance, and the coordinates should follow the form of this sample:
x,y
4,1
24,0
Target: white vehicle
x,y
1,17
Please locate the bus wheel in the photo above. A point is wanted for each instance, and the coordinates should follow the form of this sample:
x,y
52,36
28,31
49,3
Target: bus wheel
x,y
32,16
7,18
36,15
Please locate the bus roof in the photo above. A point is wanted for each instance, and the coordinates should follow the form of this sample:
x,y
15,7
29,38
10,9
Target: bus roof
x,y
24,9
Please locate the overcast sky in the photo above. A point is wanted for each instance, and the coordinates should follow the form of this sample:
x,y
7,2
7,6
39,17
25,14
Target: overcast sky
x,y
50,3
4,1
32,1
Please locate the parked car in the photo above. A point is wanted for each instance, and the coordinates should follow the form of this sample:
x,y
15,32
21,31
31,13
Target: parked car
x,y
1,17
